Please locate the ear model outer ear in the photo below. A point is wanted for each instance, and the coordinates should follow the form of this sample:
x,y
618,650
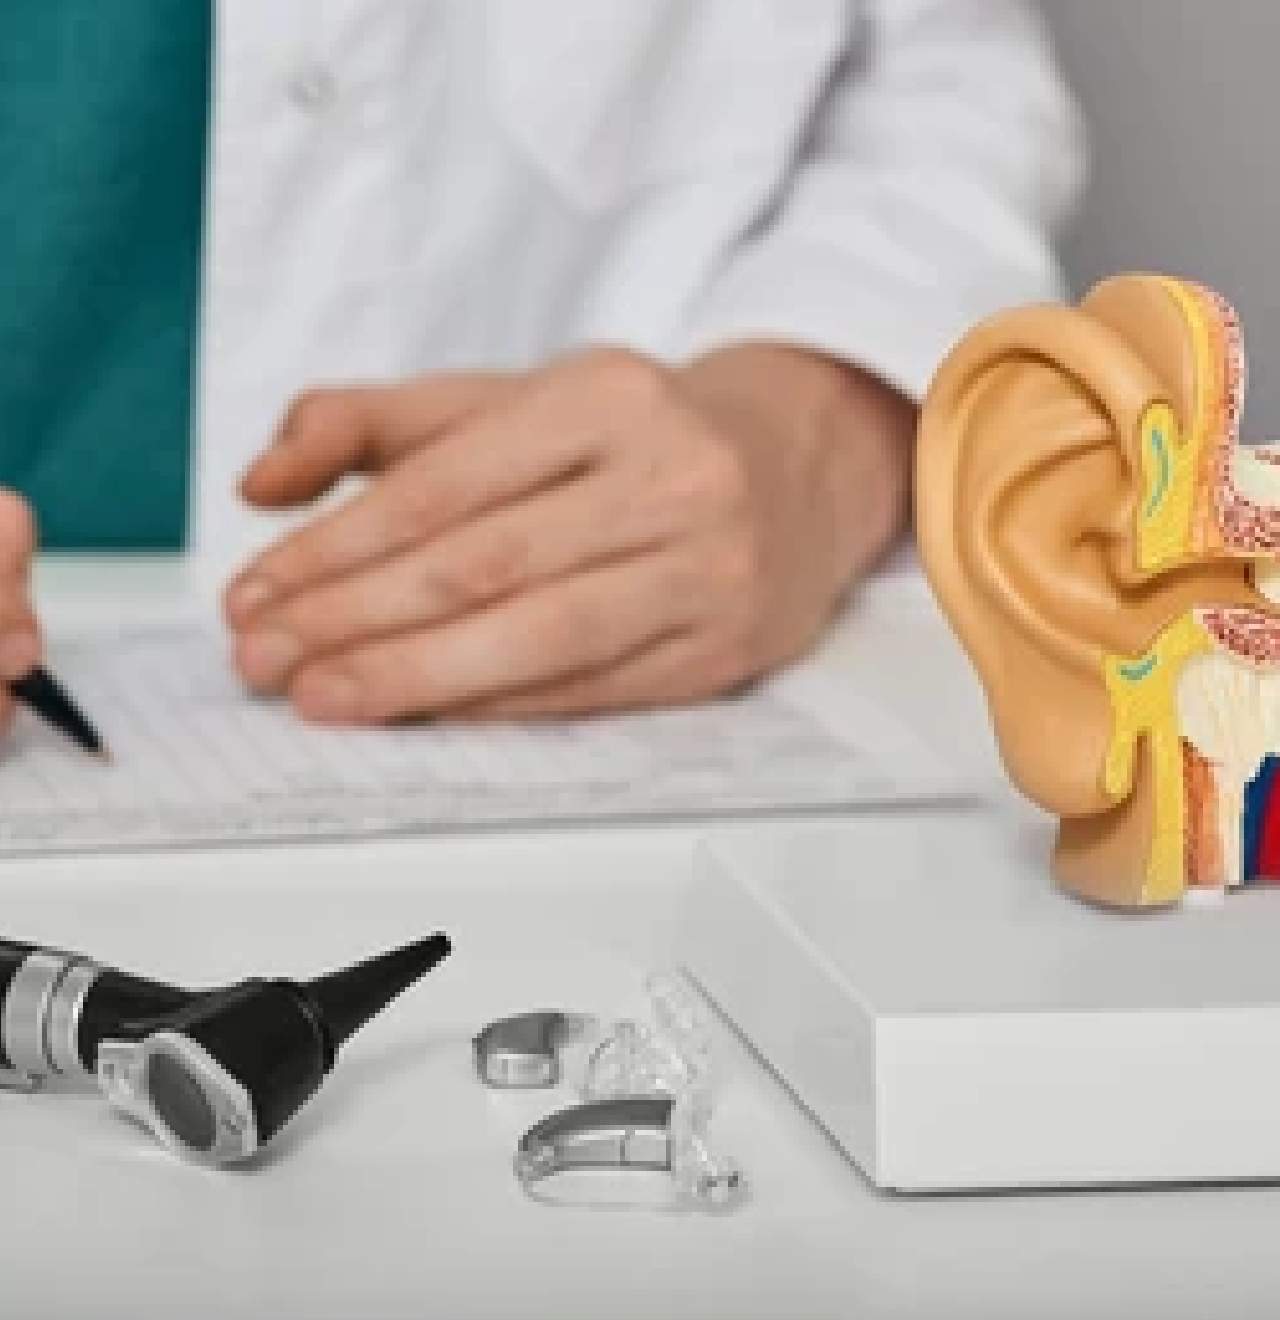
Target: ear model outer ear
x,y
1029,481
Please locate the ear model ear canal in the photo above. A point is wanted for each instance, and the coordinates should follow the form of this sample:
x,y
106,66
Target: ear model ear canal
x,y
1047,443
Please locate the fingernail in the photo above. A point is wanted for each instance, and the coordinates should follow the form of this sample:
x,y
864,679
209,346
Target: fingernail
x,y
326,696
19,654
248,596
266,657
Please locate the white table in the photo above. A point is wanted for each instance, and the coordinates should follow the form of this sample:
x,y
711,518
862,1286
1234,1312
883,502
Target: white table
x,y
392,1194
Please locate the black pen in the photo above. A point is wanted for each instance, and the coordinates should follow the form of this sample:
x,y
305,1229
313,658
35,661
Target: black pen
x,y
42,694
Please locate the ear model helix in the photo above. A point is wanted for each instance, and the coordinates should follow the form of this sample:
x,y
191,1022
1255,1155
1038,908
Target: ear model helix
x,y
1082,525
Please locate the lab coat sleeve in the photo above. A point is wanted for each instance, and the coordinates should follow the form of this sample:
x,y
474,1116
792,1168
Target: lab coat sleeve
x,y
941,158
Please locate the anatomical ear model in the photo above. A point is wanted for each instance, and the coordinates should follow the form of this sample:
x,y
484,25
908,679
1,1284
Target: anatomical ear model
x,y
1109,555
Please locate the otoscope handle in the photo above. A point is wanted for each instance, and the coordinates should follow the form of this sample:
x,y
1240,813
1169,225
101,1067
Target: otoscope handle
x,y
12,956
56,1007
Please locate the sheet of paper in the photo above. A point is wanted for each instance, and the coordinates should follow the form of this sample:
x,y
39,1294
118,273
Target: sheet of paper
x,y
198,762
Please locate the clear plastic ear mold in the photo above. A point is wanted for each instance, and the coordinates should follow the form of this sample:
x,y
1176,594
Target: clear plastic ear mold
x,y
669,1056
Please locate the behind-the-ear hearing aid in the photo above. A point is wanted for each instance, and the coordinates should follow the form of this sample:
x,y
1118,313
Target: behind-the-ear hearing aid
x,y
523,1051
653,1133
214,1074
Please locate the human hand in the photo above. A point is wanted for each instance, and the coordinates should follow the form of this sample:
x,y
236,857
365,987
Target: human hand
x,y
20,644
601,533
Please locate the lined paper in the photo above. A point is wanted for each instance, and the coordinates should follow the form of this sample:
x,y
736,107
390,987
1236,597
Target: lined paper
x,y
197,761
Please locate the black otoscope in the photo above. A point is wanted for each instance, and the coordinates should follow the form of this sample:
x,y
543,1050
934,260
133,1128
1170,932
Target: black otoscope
x,y
214,1074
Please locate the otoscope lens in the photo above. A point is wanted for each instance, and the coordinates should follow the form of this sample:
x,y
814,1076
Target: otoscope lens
x,y
180,1102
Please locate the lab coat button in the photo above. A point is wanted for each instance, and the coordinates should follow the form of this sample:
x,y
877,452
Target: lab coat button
x,y
313,88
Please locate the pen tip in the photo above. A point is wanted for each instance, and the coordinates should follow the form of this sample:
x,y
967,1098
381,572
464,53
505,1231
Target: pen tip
x,y
103,754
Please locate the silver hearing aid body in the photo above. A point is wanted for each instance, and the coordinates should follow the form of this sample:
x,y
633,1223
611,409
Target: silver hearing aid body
x,y
645,1133
523,1051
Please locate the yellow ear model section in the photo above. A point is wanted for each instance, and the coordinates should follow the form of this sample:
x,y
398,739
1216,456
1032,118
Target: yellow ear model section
x,y
1143,693
1176,460
1170,468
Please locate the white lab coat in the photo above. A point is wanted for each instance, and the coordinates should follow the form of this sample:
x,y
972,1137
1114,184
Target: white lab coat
x,y
398,186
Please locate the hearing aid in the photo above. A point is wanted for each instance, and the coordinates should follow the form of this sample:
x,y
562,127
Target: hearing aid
x,y
523,1051
645,1134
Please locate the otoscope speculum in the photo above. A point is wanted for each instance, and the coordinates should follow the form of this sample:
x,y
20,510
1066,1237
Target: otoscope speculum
x,y
213,1074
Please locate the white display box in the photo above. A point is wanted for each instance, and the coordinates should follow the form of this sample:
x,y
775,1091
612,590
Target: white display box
x,y
956,1023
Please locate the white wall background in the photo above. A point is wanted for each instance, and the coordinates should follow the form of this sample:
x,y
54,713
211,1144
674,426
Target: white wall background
x,y
1183,97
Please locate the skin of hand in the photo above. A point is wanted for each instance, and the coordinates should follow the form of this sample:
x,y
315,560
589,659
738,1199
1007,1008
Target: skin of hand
x,y
602,533
20,643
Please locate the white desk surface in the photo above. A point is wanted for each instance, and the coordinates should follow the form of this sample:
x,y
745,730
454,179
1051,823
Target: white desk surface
x,y
392,1194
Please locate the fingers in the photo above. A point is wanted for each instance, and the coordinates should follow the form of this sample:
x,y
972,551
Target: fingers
x,y
671,671
17,534
506,454
20,644
327,433
581,623
516,547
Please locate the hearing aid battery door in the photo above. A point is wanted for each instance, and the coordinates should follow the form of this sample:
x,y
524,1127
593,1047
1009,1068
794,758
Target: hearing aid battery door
x,y
184,1097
